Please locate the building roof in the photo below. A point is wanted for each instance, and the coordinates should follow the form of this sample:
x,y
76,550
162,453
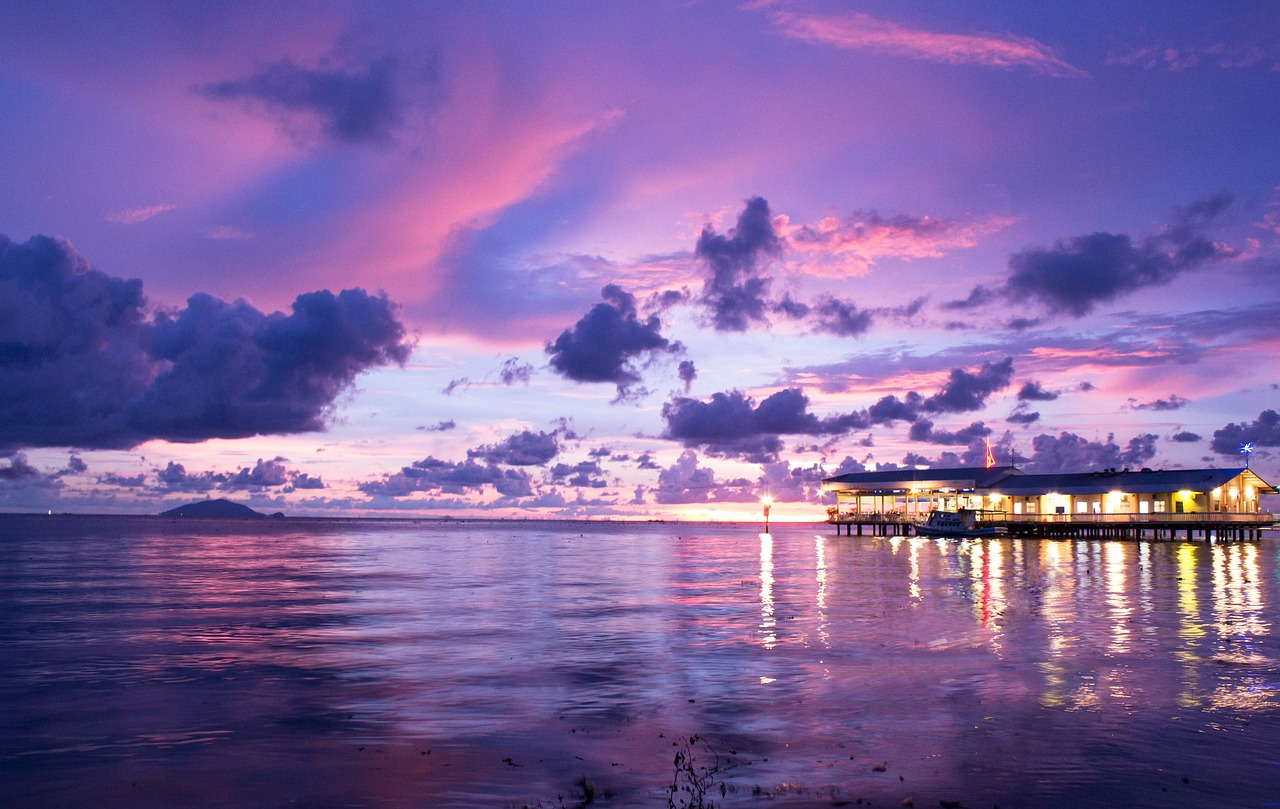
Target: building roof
x,y
1009,480
1144,481
903,479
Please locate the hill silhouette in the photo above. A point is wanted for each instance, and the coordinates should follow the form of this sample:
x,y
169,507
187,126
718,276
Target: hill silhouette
x,y
221,508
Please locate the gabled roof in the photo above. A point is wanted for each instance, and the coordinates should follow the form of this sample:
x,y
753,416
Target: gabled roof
x,y
903,479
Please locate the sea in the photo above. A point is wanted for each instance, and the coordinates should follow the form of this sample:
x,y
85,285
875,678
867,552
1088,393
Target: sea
x,y
154,662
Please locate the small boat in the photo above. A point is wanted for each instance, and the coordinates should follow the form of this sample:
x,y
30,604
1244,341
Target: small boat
x,y
963,523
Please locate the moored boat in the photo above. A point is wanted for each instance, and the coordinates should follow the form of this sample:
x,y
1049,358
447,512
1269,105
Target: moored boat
x,y
963,523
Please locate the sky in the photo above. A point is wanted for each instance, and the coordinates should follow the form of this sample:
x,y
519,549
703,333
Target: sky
x,y
636,260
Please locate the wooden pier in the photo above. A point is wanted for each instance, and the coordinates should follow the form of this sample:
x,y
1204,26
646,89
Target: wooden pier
x,y
1188,527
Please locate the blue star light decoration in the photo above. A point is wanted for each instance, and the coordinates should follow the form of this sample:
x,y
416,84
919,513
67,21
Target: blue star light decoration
x,y
1246,449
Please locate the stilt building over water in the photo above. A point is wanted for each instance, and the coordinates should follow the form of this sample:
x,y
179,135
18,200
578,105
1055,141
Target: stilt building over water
x,y
1119,503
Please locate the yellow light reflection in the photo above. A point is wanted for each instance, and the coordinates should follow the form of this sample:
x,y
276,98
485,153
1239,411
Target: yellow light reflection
x,y
1189,629
1117,599
768,623
820,561
913,580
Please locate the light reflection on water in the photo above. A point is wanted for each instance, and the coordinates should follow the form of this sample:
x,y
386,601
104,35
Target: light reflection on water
x,y
154,662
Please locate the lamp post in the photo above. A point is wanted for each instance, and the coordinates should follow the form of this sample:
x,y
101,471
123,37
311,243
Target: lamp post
x,y
766,501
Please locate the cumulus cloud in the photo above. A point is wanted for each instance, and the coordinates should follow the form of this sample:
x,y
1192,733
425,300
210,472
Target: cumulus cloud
x,y
1185,437
923,430
688,373
734,290
587,474
1262,432
1022,414
269,474
83,364
18,468
787,484
732,425
434,476
965,391
1033,392
843,318
606,343
232,371
687,482
353,107
525,448
1078,273
1068,452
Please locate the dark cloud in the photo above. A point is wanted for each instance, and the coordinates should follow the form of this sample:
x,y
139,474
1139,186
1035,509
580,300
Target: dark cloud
x,y
454,384
1185,437
175,478
646,461
124,481
353,107
1032,392
848,465
688,373
439,427
605,343
512,371
1023,415
923,430
1263,432
792,308
263,474
234,372
890,409
1174,402
81,363
434,476
965,391
980,295
1076,274
18,468
524,448
603,452
686,482
1068,452
585,474
842,318
72,348
731,425
733,290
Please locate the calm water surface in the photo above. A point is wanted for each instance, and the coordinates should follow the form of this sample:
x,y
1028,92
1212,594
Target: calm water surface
x,y
151,662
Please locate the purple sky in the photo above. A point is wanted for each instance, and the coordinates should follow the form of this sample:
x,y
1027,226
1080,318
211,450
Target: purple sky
x,y
626,259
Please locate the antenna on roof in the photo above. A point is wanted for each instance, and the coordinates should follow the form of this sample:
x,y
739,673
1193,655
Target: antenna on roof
x,y
1246,449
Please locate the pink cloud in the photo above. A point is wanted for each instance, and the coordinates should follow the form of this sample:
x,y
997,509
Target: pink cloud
x,y
859,31
132,216
837,247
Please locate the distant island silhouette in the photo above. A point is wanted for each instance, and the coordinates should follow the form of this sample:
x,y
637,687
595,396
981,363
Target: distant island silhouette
x,y
220,508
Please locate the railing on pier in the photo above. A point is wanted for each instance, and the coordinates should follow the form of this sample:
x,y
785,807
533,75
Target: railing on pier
x,y
1218,524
